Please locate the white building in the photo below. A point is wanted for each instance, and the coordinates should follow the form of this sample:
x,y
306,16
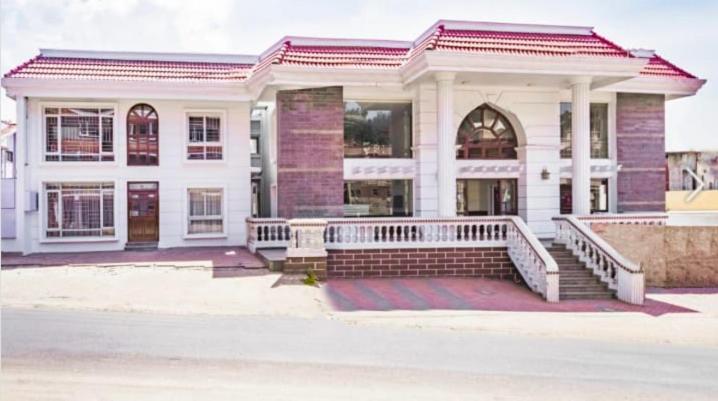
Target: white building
x,y
116,149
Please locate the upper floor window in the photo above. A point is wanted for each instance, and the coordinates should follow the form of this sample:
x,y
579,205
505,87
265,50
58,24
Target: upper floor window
x,y
599,130
142,136
486,134
79,134
205,136
376,129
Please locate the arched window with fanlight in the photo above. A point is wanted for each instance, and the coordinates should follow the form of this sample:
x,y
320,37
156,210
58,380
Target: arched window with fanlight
x,y
142,136
486,134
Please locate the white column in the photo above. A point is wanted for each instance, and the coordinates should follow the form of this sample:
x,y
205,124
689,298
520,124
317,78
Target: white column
x,y
20,162
581,145
446,144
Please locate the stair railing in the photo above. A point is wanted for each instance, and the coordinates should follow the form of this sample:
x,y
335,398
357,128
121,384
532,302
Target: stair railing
x,y
536,265
622,275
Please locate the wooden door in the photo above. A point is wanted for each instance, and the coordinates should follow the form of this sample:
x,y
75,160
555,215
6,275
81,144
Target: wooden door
x,y
143,211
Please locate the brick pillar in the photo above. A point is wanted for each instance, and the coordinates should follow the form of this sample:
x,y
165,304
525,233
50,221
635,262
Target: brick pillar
x,y
640,143
310,149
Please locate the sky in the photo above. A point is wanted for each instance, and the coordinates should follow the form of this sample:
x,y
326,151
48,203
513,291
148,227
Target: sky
x,y
684,32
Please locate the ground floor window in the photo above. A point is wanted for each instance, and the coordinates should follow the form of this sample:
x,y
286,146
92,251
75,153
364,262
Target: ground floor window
x,y
486,197
599,195
79,210
206,211
378,198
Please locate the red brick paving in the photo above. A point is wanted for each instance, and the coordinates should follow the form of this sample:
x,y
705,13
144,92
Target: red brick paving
x,y
217,257
382,294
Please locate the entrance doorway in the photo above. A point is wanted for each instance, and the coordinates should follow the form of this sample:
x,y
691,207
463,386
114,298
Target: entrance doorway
x,y
143,212
486,197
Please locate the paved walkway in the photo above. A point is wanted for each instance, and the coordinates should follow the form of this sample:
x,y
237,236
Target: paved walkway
x,y
466,294
213,257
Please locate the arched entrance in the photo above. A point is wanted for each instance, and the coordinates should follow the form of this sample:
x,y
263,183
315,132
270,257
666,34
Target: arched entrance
x,y
486,134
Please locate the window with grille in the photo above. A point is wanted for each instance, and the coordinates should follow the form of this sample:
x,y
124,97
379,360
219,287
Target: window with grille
x,y
79,134
79,210
204,137
206,213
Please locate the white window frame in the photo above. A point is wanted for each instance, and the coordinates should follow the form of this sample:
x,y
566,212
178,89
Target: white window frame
x,y
42,207
222,114
77,105
186,209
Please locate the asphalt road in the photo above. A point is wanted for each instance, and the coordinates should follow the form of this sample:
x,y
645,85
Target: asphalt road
x,y
77,355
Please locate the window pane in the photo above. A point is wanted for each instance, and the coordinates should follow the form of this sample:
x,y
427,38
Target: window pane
x,y
378,198
213,153
53,210
599,130
566,130
212,129
51,140
107,134
108,209
196,129
377,129
195,152
196,202
599,195
213,203
208,226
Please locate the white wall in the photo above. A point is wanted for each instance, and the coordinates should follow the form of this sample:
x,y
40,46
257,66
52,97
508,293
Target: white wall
x,y
174,174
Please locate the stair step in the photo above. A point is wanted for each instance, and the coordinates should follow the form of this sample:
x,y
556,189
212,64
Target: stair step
x,y
141,246
574,273
581,287
569,266
584,295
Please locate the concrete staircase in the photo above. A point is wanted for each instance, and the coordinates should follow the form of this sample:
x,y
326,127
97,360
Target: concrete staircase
x,y
575,280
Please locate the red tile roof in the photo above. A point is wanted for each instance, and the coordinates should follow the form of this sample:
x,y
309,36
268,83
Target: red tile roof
x,y
128,70
344,56
523,43
659,67
347,54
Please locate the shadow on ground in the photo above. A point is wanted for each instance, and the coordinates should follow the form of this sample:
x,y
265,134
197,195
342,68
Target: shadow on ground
x,y
466,294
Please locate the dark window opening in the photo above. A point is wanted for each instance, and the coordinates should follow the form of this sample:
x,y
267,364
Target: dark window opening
x,y
377,130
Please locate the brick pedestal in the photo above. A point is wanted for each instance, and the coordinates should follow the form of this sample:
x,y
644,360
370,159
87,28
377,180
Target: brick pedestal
x,y
304,264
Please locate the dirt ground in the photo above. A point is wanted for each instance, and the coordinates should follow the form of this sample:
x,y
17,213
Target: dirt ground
x,y
258,292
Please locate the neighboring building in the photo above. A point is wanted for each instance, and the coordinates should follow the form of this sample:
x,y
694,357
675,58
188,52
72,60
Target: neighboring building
x,y
7,176
117,149
682,186
702,164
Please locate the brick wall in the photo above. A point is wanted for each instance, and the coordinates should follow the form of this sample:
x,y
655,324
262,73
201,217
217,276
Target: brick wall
x,y
310,163
433,262
640,141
